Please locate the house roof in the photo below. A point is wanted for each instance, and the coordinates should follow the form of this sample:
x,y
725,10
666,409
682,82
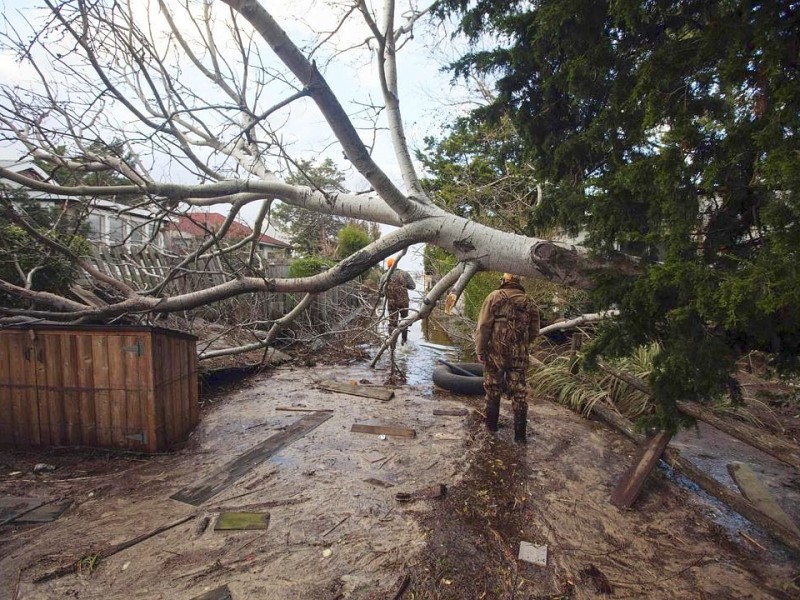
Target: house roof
x,y
197,224
30,169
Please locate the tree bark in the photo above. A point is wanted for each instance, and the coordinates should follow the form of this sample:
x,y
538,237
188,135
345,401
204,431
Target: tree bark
x,y
776,447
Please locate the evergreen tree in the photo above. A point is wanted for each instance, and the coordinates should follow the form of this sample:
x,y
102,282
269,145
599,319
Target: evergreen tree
x,y
675,125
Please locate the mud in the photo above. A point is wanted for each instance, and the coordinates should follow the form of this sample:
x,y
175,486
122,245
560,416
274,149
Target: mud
x,y
332,534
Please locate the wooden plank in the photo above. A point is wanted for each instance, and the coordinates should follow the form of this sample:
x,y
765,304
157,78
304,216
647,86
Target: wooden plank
x,y
15,347
194,390
220,593
70,397
86,395
46,513
241,521
6,399
756,492
383,430
450,412
298,409
23,375
160,388
50,375
219,480
117,397
148,405
102,395
632,481
356,390
135,429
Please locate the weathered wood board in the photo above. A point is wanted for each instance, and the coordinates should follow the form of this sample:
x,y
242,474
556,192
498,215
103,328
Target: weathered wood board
x,y
356,390
757,493
216,482
450,412
229,521
299,409
383,430
220,593
645,461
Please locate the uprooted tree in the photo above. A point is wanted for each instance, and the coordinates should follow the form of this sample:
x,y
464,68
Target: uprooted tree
x,y
199,92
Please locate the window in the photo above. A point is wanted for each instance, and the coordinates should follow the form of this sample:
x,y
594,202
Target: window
x,y
95,227
116,230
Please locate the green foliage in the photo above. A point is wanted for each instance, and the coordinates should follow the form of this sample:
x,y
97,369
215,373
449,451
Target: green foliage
x,y
21,253
351,238
478,171
672,126
309,265
312,232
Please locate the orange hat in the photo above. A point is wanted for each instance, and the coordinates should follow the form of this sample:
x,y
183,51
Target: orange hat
x,y
510,277
389,262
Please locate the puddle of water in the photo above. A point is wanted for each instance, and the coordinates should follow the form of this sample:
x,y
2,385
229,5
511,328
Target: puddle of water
x,y
419,356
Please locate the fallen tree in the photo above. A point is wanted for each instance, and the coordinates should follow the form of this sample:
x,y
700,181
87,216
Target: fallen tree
x,y
111,77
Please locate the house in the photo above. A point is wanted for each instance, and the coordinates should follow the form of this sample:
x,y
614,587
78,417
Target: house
x,y
108,223
188,230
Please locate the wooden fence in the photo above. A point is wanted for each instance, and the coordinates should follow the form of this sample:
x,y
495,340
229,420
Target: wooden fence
x,y
146,268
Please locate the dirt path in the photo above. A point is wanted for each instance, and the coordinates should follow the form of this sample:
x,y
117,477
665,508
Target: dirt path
x,y
556,492
333,535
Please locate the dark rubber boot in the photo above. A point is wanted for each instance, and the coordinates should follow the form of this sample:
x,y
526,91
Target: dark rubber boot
x,y
492,414
520,426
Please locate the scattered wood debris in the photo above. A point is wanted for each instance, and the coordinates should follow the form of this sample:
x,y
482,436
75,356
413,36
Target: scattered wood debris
x,y
106,552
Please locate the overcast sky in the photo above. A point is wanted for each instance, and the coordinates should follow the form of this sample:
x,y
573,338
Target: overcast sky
x,y
428,99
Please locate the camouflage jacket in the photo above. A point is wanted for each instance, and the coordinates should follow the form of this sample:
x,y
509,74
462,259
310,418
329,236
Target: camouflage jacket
x,y
396,290
507,323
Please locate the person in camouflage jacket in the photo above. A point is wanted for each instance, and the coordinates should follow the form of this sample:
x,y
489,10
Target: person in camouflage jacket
x,y
396,290
507,324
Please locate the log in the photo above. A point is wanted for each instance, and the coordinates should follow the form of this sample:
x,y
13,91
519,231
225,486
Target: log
x,y
688,469
629,487
783,450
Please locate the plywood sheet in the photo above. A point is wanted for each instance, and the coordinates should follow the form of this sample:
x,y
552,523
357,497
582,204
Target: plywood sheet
x,y
234,470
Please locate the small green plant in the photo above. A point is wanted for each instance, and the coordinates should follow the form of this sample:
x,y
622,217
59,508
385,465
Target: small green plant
x,y
309,265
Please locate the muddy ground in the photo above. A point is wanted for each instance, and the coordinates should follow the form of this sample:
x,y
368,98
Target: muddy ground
x,y
334,535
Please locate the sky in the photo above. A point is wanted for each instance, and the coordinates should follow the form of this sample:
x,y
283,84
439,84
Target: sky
x,y
428,98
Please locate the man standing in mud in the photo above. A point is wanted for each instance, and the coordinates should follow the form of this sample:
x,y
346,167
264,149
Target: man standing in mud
x,y
507,323
396,290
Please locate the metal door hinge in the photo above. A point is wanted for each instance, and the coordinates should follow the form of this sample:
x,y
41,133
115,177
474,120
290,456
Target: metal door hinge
x,y
138,437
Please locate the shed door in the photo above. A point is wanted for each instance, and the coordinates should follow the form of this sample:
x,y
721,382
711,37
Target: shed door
x,y
121,383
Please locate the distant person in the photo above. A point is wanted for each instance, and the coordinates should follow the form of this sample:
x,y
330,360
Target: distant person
x,y
507,324
396,290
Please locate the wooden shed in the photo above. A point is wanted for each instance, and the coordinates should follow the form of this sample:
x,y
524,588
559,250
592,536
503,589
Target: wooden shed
x,y
130,387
